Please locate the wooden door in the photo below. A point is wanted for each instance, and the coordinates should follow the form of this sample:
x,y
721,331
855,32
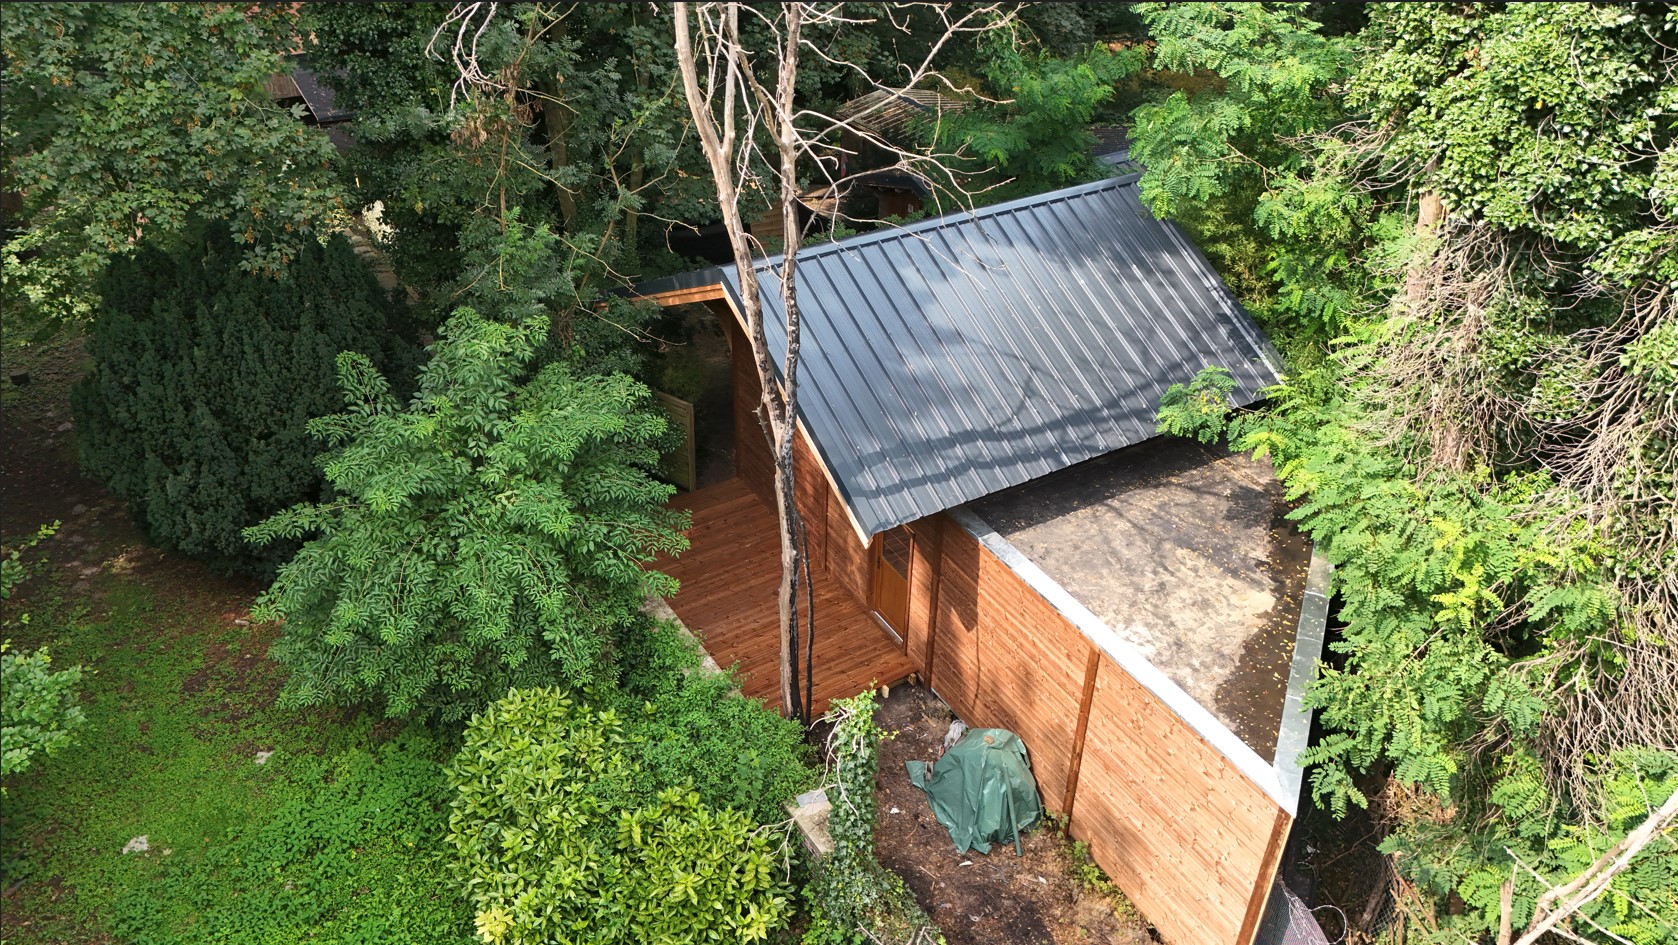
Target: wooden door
x,y
889,594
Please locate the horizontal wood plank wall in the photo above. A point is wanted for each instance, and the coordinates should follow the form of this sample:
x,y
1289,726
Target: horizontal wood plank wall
x,y
847,557
1186,836
1026,671
814,496
953,669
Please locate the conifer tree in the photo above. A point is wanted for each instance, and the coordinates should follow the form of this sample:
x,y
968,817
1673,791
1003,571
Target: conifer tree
x,y
205,376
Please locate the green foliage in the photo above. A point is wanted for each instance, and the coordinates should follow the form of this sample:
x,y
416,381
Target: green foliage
x,y
1218,153
335,839
14,569
492,534
1475,422
1199,408
694,729
1037,139
38,710
1640,903
39,715
347,854
853,898
555,840
205,377
127,122
594,145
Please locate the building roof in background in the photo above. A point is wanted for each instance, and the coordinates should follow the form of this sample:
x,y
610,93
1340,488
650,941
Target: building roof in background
x,y
950,359
318,96
1112,144
887,112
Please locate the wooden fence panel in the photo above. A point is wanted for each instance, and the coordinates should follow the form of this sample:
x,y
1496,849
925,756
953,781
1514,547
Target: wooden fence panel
x,y
923,590
953,667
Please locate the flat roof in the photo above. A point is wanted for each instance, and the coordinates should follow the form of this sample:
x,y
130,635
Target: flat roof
x,y
1183,551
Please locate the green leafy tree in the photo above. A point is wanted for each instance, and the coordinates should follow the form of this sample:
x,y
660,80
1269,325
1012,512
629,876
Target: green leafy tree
x,y
492,533
1473,282
205,377
127,122
1035,135
553,840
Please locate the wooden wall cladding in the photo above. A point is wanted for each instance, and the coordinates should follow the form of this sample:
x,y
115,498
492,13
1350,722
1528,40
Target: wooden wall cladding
x,y
1015,662
1188,838
847,557
923,590
752,460
814,497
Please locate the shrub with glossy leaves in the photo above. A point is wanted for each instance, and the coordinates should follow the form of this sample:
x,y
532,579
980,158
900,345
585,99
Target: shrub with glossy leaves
x,y
553,841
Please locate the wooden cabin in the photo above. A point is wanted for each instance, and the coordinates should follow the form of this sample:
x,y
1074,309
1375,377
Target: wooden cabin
x,y
989,511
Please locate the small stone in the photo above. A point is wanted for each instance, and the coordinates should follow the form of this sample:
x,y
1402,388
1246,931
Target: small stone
x,y
78,509
241,622
965,863
137,845
66,427
263,756
895,811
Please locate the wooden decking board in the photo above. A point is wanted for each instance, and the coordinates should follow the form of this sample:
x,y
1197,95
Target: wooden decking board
x,y
729,579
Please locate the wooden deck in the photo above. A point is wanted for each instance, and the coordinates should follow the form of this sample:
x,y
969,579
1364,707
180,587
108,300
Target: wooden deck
x,y
730,577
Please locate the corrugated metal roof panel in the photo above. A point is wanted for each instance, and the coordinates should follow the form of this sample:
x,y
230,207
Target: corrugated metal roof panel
x,y
955,357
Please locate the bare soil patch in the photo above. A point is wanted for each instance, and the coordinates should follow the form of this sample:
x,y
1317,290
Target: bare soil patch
x,y
999,898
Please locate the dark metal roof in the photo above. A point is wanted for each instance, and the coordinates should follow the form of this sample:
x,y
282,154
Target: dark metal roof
x,y
318,95
955,357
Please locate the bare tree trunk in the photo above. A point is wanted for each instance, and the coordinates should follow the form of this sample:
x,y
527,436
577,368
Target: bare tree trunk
x,y
740,120
725,152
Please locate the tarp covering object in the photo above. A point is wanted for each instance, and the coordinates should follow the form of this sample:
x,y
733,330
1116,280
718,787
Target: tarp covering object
x,y
981,789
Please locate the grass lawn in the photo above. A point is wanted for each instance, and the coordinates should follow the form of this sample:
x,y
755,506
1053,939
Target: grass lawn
x,y
336,837
333,839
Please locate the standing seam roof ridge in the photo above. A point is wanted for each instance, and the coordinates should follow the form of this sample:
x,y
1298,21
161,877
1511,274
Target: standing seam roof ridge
x,y
900,409
1042,278
1230,309
915,251
976,284
1127,307
1167,293
1076,291
930,361
881,267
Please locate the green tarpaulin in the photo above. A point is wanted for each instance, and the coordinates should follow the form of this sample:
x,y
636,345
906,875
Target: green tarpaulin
x,y
981,789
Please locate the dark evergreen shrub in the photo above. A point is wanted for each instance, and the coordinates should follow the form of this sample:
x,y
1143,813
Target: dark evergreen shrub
x,y
205,376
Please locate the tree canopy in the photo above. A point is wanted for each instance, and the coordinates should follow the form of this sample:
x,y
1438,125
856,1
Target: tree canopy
x,y
127,122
